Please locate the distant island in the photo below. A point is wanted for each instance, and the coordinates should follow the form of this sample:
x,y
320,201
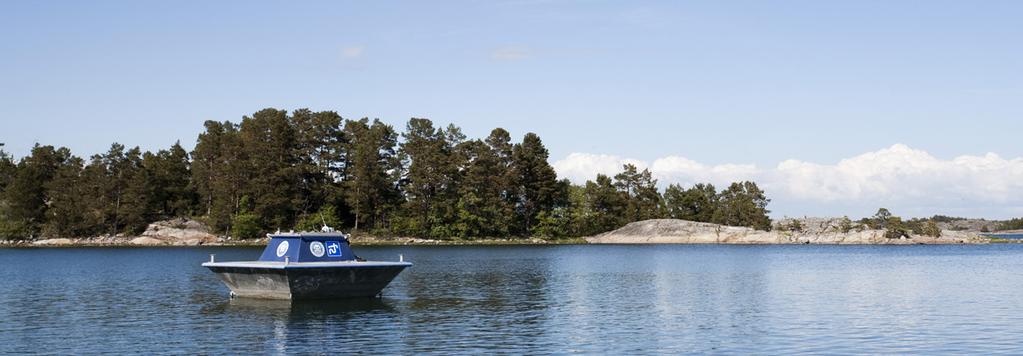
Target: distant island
x,y
299,170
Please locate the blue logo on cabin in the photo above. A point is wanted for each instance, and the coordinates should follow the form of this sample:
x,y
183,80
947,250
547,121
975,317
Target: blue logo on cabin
x,y
333,249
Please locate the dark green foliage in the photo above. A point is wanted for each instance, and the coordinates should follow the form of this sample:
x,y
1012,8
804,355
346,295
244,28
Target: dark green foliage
x,y
69,202
946,219
894,228
275,178
846,225
279,170
245,226
743,204
1013,224
430,180
644,201
605,204
931,229
327,215
536,183
879,220
167,179
369,189
26,196
925,227
483,209
219,171
7,168
8,227
697,203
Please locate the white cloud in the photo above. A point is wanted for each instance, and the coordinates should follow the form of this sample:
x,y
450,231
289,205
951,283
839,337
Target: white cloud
x,y
511,53
902,173
895,177
579,167
352,52
675,169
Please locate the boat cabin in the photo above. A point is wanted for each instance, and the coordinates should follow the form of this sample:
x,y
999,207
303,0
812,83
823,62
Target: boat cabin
x,y
308,247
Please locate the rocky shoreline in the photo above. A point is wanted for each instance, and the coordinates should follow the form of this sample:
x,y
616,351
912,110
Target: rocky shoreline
x,y
185,232
825,231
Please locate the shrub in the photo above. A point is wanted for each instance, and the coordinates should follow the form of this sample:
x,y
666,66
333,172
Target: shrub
x,y
845,224
314,221
931,229
894,228
245,226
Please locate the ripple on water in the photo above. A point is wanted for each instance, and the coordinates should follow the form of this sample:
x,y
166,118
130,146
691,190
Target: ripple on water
x,y
526,299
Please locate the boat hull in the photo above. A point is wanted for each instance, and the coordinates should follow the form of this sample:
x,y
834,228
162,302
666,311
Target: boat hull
x,y
307,281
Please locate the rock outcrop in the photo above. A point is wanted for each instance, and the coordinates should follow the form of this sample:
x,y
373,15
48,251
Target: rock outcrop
x,y
52,242
179,231
824,231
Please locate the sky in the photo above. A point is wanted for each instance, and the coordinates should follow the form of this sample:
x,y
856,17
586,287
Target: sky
x,y
834,107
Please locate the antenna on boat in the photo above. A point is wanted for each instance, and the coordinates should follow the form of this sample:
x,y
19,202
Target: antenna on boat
x,y
325,228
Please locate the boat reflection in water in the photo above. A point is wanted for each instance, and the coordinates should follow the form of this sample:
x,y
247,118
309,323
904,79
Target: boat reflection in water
x,y
307,266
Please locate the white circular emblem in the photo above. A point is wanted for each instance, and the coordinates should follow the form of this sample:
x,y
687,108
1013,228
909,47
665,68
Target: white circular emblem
x,y
282,248
316,248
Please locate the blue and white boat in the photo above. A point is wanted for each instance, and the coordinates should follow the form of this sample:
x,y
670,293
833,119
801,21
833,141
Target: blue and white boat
x,y
307,266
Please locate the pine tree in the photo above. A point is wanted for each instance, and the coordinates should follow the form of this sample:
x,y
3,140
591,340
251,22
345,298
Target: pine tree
x,y
606,203
697,203
502,179
320,143
26,196
482,208
535,180
219,171
369,189
644,201
7,169
430,180
66,213
743,204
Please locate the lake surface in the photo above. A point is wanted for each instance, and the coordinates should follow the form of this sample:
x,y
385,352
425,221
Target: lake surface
x,y
532,299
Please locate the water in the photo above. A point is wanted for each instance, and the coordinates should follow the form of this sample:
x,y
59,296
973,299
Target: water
x,y
531,299
1006,236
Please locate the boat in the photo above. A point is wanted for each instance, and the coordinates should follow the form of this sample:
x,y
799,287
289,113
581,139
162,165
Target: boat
x,y
307,265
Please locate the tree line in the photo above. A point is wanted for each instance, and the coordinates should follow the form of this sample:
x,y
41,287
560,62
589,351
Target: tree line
x,y
279,170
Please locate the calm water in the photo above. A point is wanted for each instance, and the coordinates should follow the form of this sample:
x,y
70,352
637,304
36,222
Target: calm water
x,y
589,299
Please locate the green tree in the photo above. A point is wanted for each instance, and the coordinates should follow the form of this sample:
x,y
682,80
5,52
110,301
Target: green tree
x,y
537,183
269,140
26,196
644,201
880,219
370,190
606,205
7,169
481,210
68,202
428,180
320,142
117,200
327,215
743,204
219,172
167,181
931,229
697,203
499,177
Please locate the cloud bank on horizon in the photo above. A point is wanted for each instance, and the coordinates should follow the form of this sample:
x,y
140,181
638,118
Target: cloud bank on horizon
x,y
909,181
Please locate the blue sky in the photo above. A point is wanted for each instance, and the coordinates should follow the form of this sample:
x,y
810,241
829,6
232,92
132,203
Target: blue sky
x,y
720,83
